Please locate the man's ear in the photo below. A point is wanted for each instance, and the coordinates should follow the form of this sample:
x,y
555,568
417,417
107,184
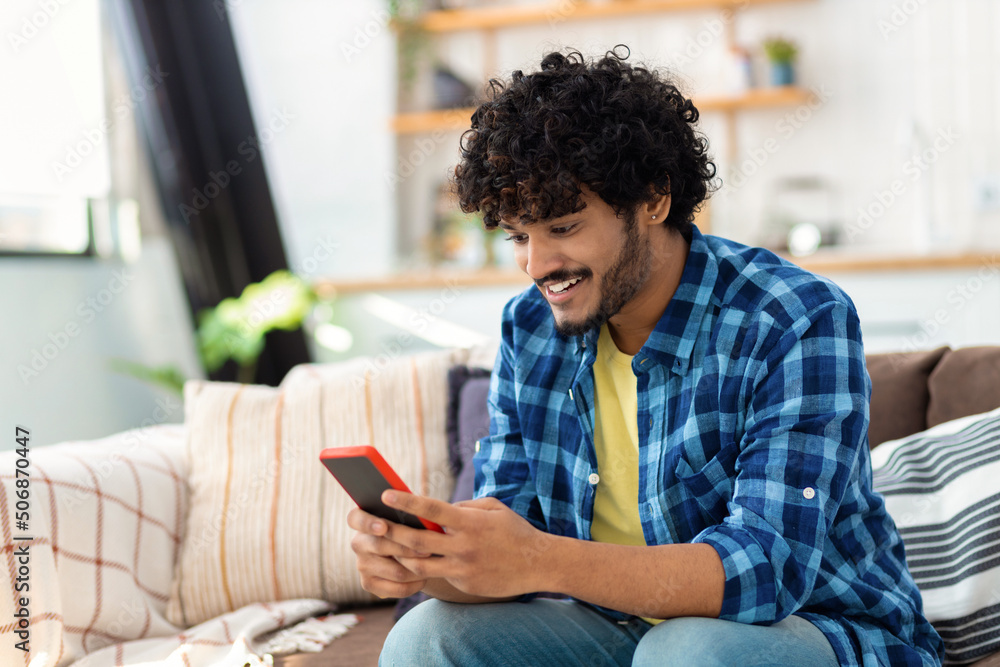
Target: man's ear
x,y
656,210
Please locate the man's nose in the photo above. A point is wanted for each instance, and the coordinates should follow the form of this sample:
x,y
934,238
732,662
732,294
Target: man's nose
x,y
540,259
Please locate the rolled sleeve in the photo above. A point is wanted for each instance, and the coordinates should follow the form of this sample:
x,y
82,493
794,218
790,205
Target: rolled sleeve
x,y
807,416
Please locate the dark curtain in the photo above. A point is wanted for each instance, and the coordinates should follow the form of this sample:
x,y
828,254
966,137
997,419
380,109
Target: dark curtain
x,y
205,152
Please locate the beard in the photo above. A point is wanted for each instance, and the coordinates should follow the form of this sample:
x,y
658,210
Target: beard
x,y
620,284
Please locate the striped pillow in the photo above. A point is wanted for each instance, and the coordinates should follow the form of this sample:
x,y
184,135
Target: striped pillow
x,y
267,521
942,487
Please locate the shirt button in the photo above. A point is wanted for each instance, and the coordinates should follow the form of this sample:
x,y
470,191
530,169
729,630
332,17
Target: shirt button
x,y
808,493
594,478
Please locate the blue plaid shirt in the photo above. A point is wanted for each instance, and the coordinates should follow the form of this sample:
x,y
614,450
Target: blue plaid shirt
x,y
753,421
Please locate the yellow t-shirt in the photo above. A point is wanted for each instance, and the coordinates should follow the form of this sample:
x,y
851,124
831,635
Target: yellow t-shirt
x,y
616,442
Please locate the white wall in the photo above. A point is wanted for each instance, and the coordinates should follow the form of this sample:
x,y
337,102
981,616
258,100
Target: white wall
x,y
65,319
331,66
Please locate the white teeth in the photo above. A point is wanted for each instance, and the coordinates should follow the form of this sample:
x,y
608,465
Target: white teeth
x,y
563,286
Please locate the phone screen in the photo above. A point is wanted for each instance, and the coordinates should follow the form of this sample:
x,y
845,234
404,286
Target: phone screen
x,y
365,484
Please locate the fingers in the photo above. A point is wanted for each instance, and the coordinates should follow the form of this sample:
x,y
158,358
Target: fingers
x,y
430,568
387,578
438,511
415,542
376,527
389,569
390,589
485,503
380,571
362,521
366,544
421,543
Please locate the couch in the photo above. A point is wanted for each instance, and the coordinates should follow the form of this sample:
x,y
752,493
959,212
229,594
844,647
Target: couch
x,y
171,476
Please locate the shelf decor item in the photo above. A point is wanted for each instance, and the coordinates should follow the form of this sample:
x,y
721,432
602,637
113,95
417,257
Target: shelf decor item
x,y
781,55
458,239
412,42
451,92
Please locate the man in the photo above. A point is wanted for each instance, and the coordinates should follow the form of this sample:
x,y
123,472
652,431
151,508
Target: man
x,y
678,422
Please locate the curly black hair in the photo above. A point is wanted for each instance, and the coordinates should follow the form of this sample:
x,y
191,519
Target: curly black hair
x,y
624,131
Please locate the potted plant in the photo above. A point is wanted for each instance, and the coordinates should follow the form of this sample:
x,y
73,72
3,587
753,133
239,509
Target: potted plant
x,y
781,55
235,329
412,44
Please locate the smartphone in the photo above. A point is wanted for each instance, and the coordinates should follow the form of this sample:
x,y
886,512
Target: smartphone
x,y
364,474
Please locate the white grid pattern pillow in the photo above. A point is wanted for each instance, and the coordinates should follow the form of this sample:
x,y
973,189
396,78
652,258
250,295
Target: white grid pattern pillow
x,y
942,487
267,521
106,518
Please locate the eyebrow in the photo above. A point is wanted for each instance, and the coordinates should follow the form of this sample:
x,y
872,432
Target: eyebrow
x,y
510,228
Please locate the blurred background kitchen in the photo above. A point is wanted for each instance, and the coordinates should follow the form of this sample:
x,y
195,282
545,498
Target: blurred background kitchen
x,y
158,159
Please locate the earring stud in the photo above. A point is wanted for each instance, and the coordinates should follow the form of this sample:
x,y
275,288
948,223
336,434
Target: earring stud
x,y
654,217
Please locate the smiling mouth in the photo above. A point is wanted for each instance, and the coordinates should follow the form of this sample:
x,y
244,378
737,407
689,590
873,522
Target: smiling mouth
x,y
563,286
561,291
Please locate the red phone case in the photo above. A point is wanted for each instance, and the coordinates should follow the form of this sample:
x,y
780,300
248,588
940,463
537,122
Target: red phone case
x,y
365,485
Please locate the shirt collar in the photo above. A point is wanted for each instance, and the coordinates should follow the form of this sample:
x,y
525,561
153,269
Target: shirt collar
x,y
672,342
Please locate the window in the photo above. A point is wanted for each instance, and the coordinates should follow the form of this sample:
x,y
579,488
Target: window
x,y
54,175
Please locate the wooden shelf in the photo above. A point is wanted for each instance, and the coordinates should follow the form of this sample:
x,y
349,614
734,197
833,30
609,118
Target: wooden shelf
x,y
460,119
823,262
429,121
488,18
429,279
833,260
755,98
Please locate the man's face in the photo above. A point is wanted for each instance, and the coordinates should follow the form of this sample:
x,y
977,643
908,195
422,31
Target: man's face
x,y
588,265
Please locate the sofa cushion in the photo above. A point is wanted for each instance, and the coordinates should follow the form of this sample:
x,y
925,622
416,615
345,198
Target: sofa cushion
x,y
468,420
106,518
267,521
965,382
899,393
942,487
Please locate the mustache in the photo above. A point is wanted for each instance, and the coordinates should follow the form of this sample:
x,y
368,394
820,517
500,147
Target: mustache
x,y
563,276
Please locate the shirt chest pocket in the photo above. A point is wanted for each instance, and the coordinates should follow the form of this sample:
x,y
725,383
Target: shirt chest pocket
x,y
706,490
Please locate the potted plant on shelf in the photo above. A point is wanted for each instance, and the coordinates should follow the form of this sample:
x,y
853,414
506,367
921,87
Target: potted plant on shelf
x,y
781,55
412,44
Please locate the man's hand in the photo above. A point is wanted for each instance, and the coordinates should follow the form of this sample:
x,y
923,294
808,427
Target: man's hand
x,y
489,553
381,572
487,549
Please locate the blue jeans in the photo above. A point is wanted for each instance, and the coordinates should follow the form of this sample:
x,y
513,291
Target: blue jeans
x,y
562,632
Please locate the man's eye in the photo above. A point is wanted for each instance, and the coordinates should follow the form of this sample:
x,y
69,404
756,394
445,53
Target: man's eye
x,y
517,238
561,230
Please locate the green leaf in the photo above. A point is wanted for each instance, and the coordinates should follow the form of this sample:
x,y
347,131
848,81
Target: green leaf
x,y
235,328
167,376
